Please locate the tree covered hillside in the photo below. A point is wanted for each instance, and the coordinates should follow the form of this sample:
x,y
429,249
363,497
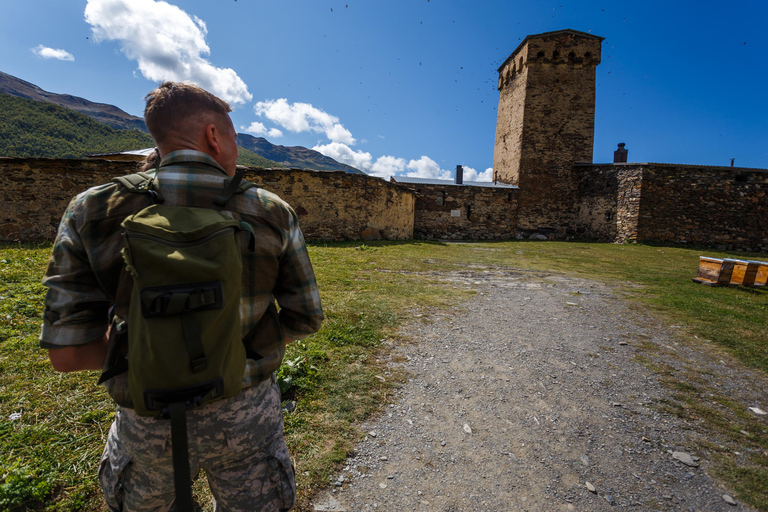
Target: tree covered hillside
x,y
30,128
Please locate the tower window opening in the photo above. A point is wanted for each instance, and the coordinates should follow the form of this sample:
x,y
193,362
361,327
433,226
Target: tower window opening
x,y
555,55
440,199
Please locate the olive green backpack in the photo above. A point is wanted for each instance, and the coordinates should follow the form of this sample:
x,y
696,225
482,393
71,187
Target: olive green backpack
x,y
184,333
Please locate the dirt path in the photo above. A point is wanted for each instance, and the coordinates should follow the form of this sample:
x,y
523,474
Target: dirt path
x,y
526,399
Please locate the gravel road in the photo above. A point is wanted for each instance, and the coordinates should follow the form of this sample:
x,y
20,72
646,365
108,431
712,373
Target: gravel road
x,y
529,397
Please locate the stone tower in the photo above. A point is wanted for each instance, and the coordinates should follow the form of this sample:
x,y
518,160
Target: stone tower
x,y
546,123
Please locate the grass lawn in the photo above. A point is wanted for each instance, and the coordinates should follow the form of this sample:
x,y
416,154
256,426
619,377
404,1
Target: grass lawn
x,y
53,426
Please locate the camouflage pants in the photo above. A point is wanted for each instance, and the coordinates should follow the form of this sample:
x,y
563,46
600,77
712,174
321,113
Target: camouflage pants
x,y
237,441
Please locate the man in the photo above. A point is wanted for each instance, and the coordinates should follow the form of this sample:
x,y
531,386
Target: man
x,y
237,441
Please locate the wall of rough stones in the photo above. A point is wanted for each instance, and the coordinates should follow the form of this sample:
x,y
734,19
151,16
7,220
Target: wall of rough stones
x,y
330,205
460,212
609,201
335,205
34,192
718,206
722,206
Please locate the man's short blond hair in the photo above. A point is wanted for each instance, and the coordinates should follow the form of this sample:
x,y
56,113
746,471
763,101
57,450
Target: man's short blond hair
x,y
174,105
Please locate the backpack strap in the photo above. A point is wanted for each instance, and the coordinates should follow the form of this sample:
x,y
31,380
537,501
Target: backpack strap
x,y
182,481
140,183
234,185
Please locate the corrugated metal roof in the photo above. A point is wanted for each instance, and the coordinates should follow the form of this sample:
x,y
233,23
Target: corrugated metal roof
x,y
450,183
135,152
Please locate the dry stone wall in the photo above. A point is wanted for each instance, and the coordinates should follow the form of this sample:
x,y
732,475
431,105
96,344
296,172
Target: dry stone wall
x,y
460,212
334,205
36,191
722,206
609,202
717,206
330,205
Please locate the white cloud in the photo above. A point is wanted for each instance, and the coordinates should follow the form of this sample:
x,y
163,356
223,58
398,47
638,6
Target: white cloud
x,y
259,129
346,155
386,166
471,174
383,167
51,53
303,117
425,167
166,43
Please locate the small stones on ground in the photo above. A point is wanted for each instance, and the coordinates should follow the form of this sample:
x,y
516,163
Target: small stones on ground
x,y
758,410
516,384
685,459
382,379
729,500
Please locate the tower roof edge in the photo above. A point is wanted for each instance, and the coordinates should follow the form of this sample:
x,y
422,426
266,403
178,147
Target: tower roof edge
x,y
549,34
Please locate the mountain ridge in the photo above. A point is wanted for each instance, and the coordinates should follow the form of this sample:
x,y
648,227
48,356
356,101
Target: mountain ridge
x,y
293,156
110,115
114,117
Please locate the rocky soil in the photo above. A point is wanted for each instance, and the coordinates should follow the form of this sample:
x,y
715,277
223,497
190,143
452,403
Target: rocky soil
x,y
530,397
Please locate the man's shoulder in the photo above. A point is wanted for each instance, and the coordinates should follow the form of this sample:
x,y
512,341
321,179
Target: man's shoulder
x,y
105,200
259,200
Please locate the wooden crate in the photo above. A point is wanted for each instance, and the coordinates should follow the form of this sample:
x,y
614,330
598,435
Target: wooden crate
x,y
723,272
761,273
714,271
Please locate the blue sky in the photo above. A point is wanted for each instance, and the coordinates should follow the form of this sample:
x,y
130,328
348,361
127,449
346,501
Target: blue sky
x,y
408,87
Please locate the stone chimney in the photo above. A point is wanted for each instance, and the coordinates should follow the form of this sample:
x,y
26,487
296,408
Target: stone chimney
x,y
459,175
620,155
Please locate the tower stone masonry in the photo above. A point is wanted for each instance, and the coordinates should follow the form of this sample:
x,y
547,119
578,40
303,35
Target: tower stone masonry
x,y
545,124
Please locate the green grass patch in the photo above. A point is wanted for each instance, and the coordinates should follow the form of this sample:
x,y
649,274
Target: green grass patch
x,y
53,426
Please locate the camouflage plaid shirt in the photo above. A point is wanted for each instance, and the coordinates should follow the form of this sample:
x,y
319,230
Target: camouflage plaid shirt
x,y
86,263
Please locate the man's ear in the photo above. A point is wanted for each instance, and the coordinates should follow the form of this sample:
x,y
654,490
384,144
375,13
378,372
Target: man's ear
x,y
212,138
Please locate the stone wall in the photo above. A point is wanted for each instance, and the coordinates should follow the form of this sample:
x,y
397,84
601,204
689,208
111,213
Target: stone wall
x,y
334,205
460,212
609,201
717,206
34,192
722,206
331,205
